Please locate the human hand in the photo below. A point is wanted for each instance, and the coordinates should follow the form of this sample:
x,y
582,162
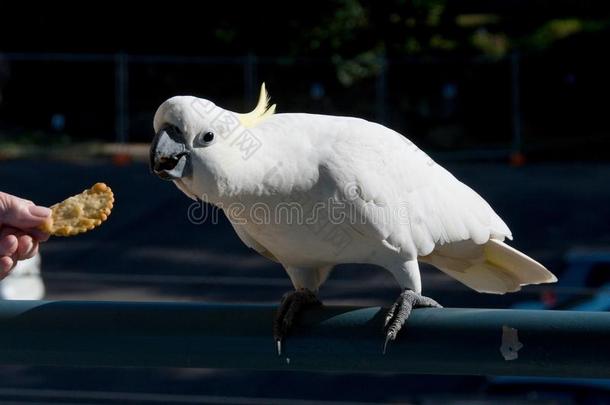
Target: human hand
x,y
19,236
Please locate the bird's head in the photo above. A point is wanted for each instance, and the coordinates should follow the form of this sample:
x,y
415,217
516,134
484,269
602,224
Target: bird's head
x,y
195,140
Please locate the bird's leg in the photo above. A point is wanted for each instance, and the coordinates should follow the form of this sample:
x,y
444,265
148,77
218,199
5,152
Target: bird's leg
x,y
400,311
292,304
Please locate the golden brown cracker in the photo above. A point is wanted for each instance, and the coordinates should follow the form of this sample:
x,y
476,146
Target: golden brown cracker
x,y
80,213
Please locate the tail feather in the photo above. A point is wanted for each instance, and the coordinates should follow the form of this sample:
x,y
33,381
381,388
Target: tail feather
x,y
494,267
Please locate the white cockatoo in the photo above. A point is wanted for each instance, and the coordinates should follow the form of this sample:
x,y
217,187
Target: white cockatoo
x,y
312,191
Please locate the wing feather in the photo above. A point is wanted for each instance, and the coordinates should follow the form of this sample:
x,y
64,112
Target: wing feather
x,y
395,175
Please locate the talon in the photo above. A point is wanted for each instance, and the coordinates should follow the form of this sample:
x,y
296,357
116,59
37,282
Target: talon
x,y
385,344
399,312
390,314
291,306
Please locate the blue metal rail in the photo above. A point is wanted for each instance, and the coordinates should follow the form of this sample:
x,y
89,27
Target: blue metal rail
x,y
435,341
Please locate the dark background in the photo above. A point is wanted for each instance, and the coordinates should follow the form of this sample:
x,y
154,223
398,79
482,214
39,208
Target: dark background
x,y
452,75
510,96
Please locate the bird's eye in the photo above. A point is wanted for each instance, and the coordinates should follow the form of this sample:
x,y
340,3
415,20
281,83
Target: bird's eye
x,y
203,139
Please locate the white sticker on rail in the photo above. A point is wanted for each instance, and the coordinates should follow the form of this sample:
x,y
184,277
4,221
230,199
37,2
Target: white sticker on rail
x,y
510,343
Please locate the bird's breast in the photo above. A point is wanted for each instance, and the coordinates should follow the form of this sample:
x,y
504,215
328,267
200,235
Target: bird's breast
x,y
307,228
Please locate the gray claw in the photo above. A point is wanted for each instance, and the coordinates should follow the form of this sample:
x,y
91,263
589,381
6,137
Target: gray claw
x,y
390,314
291,307
400,311
385,344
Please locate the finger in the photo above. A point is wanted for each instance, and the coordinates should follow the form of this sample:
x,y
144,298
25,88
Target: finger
x,y
25,246
25,201
9,230
6,264
18,213
28,254
32,252
37,234
8,245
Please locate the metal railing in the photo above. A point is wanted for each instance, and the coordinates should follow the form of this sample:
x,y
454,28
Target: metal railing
x,y
435,341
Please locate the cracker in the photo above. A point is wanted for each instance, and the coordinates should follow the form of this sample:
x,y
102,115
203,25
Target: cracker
x,y
80,213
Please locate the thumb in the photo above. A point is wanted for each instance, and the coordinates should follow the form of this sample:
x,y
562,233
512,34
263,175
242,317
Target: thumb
x,y
21,214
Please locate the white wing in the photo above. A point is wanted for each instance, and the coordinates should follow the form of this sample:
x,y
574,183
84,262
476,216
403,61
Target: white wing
x,y
422,204
420,209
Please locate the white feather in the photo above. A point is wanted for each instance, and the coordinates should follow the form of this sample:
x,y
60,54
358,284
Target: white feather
x,y
401,205
493,267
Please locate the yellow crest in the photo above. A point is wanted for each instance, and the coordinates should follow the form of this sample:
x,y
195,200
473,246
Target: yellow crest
x,y
261,112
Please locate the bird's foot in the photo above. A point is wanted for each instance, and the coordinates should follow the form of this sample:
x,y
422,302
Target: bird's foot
x,y
292,304
400,311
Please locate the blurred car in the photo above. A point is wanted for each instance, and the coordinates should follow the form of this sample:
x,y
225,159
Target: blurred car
x,y
586,270
24,282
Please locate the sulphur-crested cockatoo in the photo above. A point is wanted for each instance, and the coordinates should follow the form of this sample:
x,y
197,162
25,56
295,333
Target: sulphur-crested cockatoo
x,y
312,191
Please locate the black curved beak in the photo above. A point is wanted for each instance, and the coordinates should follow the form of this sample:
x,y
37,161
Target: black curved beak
x,y
169,158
